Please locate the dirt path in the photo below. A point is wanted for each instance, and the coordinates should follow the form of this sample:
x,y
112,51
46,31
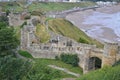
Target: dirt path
x,y
64,70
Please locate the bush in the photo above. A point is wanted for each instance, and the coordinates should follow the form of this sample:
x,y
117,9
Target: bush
x,y
70,59
25,23
81,40
25,54
57,58
27,17
117,63
14,68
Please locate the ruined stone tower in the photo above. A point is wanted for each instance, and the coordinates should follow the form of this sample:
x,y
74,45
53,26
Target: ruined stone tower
x,y
110,52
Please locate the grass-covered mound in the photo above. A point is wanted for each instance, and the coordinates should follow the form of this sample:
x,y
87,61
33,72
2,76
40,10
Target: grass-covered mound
x,y
59,64
25,54
42,33
66,28
52,6
41,70
107,73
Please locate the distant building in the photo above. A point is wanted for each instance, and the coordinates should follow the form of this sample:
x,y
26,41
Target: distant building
x,y
43,0
4,0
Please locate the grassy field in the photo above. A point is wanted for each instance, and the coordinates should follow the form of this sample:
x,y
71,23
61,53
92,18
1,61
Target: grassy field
x,y
43,64
12,6
51,6
107,73
59,64
38,62
43,6
42,33
65,28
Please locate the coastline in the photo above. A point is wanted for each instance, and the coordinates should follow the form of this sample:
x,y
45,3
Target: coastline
x,y
99,31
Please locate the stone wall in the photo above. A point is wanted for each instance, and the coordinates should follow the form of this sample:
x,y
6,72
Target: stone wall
x,y
59,44
63,14
15,19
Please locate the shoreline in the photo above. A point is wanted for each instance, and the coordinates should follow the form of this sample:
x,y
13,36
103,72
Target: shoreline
x,y
105,33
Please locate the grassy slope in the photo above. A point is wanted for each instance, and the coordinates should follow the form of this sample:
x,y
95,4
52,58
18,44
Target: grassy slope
x,y
10,6
108,73
45,62
66,28
42,34
51,6
59,64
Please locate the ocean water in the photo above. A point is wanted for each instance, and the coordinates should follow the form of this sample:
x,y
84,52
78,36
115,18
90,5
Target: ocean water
x,y
107,20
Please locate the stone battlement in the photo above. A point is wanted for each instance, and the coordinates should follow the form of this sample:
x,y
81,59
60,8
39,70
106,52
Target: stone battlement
x,y
59,44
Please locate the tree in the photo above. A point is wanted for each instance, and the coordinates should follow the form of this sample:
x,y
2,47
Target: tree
x,y
8,40
14,68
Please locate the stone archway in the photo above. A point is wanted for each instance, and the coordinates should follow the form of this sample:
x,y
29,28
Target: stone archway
x,y
94,63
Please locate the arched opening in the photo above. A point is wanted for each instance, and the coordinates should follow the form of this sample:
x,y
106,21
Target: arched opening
x,y
94,63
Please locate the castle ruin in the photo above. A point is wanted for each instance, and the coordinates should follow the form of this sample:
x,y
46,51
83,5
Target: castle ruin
x,y
59,44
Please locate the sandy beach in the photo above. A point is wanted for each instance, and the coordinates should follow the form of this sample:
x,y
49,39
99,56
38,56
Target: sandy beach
x,y
102,24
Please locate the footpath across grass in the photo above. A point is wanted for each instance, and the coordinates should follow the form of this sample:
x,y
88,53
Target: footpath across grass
x,y
59,64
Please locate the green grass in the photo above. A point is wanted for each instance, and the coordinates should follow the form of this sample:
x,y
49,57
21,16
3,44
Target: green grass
x,y
18,32
65,28
42,33
43,6
41,67
11,6
25,54
59,64
51,6
107,73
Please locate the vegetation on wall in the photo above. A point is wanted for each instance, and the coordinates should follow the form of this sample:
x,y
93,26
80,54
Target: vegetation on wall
x,y
42,33
66,28
83,40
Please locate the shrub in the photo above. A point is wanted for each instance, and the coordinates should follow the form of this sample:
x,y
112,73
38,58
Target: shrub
x,y
81,40
70,59
25,54
14,68
27,17
57,58
117,63
25,23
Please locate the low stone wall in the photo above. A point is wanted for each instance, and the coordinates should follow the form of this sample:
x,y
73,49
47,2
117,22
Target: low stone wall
x,y
63,14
